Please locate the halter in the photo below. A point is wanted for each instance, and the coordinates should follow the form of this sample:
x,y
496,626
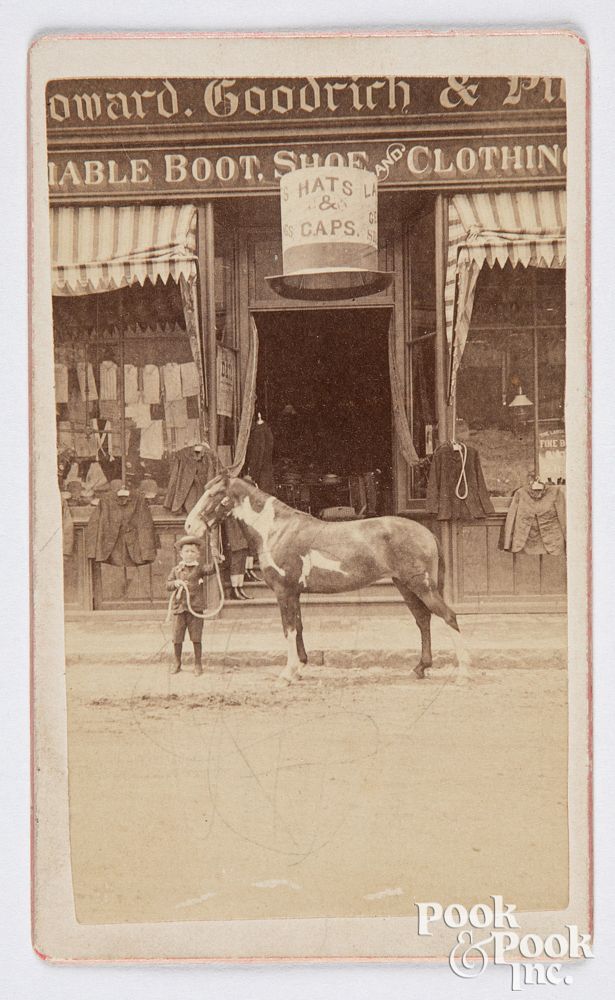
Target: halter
x,y
220,512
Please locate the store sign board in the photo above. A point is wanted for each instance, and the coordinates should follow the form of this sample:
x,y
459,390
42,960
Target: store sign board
x,y
329,219
232,168
226,381
552,454
81,105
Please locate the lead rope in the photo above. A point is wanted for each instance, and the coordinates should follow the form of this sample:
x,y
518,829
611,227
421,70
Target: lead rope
x,y
205,615
462,475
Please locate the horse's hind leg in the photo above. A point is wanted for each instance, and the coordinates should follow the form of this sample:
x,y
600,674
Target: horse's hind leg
x,y
291,619
430,596
422,616
300,645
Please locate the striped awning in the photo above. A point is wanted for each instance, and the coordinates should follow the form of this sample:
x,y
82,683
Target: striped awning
x,y
523,227
103,249
526,228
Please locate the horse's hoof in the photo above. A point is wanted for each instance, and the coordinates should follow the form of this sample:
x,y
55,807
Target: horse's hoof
x,y
420,669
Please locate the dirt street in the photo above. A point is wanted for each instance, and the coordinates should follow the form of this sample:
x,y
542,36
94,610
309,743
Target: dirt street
x,y
353,793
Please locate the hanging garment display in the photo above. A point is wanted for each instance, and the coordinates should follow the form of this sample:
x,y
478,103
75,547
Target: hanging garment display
x,y
151,384
109,409
84,445
151,444
66,437
90,390
121,531
176,413
172,381
193,432
190,473
95,479
108,380
103,445
536,521
259,457
61,383
140,413
456,489
189,379
131,384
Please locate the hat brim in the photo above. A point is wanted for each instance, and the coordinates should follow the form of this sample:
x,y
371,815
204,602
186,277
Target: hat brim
x,y
330,284
189,540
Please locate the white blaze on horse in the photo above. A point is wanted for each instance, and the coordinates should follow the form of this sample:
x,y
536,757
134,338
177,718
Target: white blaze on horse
x,y
299,554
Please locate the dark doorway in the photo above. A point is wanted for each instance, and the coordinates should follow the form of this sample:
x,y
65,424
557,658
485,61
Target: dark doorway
x,y
323,386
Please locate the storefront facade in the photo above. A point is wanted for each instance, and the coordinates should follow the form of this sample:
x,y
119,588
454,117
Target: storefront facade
x,y
165,226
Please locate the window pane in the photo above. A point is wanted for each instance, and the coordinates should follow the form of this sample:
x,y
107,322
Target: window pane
x,y
146,326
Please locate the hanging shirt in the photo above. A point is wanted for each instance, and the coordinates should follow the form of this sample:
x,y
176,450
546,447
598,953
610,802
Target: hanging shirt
x,y
151,444
131,383
189,379
172,381
108,380
151,384
193,432
140,413
176,413
92,392
61,383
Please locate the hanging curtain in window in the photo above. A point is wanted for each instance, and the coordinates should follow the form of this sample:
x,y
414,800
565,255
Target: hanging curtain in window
x,y
527,228
190,305
105,248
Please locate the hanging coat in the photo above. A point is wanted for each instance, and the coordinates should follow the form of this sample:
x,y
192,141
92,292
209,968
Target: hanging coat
x,y
121,533
535,524
444,473
190,473
259,458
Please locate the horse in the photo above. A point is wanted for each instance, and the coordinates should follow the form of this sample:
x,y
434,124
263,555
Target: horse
x,y
300,554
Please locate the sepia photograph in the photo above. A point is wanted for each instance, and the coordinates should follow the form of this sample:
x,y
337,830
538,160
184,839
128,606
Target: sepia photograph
x,y
310,472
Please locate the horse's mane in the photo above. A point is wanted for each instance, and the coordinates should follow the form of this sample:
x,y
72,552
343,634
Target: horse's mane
x,y
254,491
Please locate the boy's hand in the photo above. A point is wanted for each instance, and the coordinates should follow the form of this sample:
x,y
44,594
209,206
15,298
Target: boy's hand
x,y
178,583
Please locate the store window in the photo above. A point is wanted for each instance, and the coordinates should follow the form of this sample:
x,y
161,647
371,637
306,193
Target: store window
x,y
511,381
127,388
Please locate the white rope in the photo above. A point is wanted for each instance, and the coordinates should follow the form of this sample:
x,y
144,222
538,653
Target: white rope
x,y
205,615
462,475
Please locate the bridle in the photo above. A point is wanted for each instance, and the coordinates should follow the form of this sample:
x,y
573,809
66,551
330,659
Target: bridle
x,y
220,513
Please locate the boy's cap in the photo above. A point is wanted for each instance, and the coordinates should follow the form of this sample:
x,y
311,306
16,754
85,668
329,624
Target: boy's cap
x,y
189,540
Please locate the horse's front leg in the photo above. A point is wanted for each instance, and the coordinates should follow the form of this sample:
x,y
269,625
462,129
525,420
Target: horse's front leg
x,y
293,632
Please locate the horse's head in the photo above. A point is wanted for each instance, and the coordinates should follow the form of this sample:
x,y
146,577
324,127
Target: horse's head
x,y
221,495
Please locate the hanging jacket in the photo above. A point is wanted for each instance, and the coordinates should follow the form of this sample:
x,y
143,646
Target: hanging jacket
x,y
121,533
444,477
536,525
259,458
189,476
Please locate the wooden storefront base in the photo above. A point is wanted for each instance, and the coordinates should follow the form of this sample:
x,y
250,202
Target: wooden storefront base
x,y
481,577
98,586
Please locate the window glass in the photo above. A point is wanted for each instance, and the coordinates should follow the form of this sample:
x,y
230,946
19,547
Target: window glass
x,y
497,394
154,400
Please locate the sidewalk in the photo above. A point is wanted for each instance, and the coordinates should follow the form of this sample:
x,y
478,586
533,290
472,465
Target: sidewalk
x,y
513,640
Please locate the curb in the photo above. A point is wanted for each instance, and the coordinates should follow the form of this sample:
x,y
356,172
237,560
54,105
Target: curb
x,y
488,658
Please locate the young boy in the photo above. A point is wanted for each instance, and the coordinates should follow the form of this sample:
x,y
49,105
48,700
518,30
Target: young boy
x,y
190,571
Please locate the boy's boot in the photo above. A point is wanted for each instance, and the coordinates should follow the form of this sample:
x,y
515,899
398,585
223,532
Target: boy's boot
x,y
176,667
198,654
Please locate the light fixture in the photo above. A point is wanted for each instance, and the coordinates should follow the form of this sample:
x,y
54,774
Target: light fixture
x,y
521,399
